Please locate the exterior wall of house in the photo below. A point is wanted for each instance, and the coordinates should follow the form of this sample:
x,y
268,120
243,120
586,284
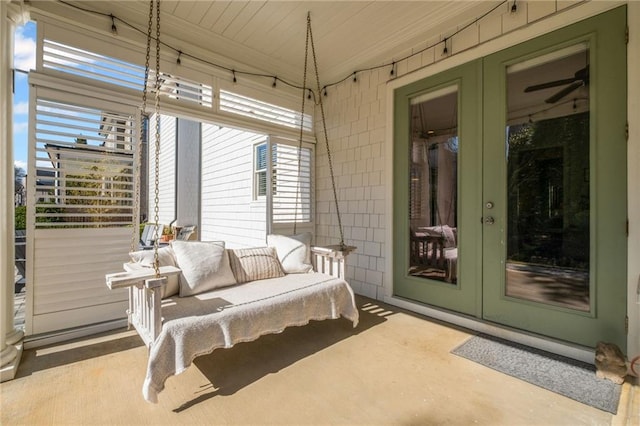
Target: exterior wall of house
x,y
359,128
167,170
229,212
188,173
358,123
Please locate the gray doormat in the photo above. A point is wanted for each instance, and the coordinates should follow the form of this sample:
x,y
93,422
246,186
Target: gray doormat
x,y
574,379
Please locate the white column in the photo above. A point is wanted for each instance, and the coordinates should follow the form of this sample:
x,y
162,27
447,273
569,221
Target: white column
x,y
10,338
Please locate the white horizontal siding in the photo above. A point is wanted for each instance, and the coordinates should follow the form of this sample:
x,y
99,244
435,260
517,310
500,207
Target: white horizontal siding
x,y
167,169
64,319
188,173
229,212
69,272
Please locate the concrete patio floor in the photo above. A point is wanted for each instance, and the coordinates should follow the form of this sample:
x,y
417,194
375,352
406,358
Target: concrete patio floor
x,y
395,368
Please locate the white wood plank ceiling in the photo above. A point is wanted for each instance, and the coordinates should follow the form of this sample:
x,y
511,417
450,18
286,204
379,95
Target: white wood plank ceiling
x,y
270,35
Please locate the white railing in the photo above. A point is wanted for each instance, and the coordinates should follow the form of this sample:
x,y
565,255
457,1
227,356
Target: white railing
x,y
330,260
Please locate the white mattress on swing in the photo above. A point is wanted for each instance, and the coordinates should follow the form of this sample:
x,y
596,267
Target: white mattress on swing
x,y
194,326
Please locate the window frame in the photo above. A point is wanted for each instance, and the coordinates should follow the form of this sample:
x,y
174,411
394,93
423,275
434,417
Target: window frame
x,y
257,172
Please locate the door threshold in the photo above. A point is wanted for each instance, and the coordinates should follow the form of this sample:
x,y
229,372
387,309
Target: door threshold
x,y
569,350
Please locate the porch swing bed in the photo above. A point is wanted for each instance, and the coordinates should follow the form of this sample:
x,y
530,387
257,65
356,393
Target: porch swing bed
x,y
192,297
178,329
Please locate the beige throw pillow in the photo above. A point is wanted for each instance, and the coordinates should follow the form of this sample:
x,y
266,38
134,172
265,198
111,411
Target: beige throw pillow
x,y
144,259
204,266
294,252
255,264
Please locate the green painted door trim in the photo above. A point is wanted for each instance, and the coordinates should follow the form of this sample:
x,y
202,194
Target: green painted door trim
x,y
465,296
605,34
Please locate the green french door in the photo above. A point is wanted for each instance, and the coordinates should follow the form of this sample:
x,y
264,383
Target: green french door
x,y
516,210
554,183
437,176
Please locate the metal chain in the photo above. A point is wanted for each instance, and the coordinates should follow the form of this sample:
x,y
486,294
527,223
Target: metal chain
x,y
304,91
326,138
156,198
137,175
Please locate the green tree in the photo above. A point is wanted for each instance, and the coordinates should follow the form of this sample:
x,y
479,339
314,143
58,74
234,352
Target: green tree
x,y
21,217
18,175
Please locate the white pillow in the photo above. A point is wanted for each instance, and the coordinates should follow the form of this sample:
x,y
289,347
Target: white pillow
x,y
449,236
294,252
204,265
144,259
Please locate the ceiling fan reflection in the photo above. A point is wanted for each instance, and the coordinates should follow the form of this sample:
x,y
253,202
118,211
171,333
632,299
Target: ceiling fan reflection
x,y
580,78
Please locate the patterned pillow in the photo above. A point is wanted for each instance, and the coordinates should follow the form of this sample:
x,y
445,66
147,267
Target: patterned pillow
x,y
255,264
204,265
294,252
144,258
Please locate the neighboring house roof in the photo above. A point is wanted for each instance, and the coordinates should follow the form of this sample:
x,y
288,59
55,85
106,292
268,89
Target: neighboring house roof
x,y
45,177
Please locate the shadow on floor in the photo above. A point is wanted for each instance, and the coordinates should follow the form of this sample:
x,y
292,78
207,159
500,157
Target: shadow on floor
x,y
269,354
69,352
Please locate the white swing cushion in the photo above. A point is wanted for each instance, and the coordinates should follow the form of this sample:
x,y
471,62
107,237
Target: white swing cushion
x,y
204,265
144,259
294,252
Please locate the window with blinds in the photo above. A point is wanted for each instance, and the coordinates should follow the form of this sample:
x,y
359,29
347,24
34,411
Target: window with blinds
x,y
71,60
63,58
292,184
260,171
415,193
84,166
263,111
182,89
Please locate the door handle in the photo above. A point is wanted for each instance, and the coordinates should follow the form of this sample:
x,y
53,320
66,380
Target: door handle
x,y
489,220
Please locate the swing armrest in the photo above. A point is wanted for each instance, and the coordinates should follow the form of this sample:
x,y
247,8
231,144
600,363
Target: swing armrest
x,y
138,277
330,260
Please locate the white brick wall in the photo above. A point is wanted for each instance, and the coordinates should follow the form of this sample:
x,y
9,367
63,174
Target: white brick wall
x,y
356,125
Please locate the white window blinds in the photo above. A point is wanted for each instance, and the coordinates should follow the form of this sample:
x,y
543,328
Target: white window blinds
x,y
292,186
263,111
84,166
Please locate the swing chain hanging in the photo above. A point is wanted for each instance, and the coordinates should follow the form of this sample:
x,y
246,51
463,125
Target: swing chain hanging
x,y
304,90
324,128
138,151
156,198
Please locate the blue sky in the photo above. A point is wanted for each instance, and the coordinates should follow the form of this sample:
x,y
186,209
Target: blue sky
x,y
24,59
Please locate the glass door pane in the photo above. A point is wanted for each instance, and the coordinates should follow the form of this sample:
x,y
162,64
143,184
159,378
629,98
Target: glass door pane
x,y
554,188
433,193
437,175
547,145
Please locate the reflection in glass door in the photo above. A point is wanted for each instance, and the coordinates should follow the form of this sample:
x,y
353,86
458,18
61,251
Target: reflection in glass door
x,y
433,192
554,184
547,145
437,190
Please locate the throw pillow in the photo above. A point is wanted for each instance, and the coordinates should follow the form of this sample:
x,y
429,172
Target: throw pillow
x,y
204,266
255,264
144,258
294,252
